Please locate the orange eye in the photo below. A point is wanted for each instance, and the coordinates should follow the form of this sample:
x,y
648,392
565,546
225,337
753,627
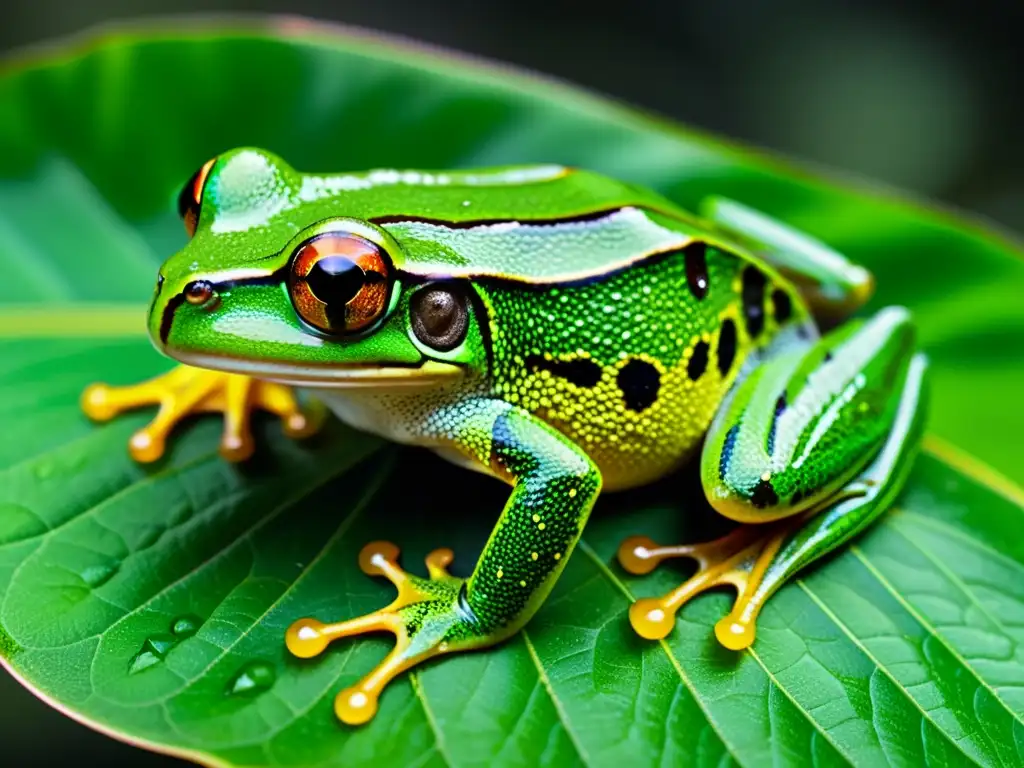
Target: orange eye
x,y
340,282
190,199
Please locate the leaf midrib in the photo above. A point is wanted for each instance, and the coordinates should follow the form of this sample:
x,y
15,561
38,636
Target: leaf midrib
x,y
952,530
72,320
440,745
556,702
892,521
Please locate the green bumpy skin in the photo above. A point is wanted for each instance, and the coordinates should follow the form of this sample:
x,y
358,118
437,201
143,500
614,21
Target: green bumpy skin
x,y
560,330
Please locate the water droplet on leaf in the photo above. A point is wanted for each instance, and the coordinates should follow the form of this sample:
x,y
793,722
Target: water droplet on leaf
x,y
185,626
154,649
255,677
98,574
19,523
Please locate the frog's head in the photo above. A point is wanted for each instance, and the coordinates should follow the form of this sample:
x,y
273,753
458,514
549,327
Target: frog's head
x,y
276,281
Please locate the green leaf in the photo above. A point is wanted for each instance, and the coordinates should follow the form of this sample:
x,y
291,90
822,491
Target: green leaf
x,y
151,602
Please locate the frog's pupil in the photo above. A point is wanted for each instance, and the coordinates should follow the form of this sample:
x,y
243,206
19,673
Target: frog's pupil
x,y
335,280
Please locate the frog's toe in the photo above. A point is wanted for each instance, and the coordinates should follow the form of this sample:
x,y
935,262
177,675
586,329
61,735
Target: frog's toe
x,y
425,618
299,420
185,391
739,559
640,555
99,402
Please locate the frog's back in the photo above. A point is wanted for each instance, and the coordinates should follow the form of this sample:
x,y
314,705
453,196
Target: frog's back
x,y
531,223
618,318
633,365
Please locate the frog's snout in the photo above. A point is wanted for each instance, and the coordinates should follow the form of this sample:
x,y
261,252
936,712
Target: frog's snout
x,y
166,304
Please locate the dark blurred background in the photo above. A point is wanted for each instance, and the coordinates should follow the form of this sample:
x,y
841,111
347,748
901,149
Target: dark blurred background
x,y
925,95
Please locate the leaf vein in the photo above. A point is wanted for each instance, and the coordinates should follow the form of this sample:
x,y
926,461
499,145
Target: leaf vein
x,y
555,701
930,628
927,714
684,678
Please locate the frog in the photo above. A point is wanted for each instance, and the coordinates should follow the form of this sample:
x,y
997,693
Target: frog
x,y
565,332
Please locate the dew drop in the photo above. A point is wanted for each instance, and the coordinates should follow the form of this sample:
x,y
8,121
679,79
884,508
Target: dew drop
x,y
184,627
44,470
19,523
154,649
98,574
254,678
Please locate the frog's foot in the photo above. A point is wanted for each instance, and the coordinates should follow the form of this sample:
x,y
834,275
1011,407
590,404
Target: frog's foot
x,y
186,390
429,617
739,559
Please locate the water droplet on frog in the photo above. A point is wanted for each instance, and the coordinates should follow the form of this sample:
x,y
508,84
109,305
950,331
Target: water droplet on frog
x,y
98,574
254,678
154,649
184,627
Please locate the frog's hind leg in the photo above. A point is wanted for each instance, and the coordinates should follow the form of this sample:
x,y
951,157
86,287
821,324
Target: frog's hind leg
x,y
803,484
832,285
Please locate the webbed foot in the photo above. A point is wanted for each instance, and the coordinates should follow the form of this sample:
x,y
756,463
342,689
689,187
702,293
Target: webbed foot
x,y
186,390
429,617
739,559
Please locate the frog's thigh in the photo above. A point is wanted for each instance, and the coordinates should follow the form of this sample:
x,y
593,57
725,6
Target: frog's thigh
x,y
833,285
805,422
816,477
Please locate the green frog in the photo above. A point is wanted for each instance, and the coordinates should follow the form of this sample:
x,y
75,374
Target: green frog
x,y
560,330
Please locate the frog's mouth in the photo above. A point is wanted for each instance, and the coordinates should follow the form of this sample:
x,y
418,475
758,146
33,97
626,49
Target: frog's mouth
x,y
366,376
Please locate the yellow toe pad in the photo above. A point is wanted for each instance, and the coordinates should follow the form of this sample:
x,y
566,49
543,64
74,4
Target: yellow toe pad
x,y
739,559
185,391
308,637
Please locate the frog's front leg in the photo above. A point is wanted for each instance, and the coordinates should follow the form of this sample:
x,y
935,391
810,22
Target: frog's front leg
x,y
807,450
185,390
554,486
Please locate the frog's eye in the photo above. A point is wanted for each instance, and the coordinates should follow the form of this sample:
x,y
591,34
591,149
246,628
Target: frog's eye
x,y
440,316
190,199
339,282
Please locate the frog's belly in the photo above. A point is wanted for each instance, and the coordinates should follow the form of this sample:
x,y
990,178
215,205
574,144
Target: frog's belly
x,y
634,461
633,441
631,446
